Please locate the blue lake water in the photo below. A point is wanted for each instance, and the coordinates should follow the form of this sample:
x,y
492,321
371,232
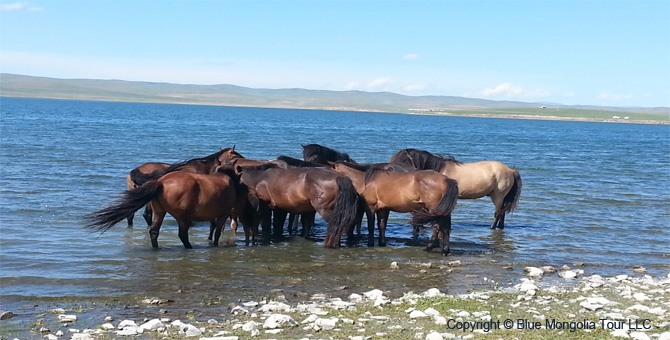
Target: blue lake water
x,y
597,193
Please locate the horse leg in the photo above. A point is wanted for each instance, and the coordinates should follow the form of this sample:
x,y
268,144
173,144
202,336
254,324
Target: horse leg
x,y
155,227
434,241
445,229
307,221
148,214
217,224
266,225
382,219
183,233
371,226
212,228
278,223
501,222
130,219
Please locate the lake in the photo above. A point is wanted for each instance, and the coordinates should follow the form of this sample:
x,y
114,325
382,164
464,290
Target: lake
x,y
597,193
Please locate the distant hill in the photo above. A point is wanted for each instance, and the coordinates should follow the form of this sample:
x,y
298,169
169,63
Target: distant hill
x,y
12,85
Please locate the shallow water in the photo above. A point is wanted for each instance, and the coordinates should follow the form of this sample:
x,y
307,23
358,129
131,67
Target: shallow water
x,y
597,193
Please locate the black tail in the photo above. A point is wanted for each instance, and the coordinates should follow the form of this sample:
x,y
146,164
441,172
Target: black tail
x,y
138,177
444,207
512,198
131,201
344,212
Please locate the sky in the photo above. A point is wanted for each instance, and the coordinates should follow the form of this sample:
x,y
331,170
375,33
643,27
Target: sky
x,y
589,52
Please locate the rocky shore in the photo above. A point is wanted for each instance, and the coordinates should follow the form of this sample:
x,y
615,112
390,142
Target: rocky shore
x,y
548,302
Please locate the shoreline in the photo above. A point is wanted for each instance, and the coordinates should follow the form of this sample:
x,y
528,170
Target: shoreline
x,y
446,113
546,302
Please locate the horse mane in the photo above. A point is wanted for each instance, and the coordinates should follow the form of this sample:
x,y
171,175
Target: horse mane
x,y
261,167
314,152
421,159
297,163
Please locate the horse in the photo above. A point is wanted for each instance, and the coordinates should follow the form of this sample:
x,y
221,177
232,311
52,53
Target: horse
x,y
145,169
322,155
475,180
186,196
303,191
201,165
428,195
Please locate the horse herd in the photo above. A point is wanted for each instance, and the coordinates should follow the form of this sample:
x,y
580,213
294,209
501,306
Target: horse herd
x,y
228,185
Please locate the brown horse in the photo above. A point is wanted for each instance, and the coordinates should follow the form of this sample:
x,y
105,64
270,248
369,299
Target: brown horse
x,y
303,191
186,196
145,168
475,180
430,195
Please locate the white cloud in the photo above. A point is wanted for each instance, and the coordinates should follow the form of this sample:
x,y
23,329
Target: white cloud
x,y
379,83
614,97
507,90
411,56
18,6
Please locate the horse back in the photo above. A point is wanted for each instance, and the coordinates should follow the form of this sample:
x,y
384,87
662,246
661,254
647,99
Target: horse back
x,y
479,179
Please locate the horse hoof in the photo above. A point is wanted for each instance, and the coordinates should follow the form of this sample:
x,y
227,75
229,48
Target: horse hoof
x,y
446,252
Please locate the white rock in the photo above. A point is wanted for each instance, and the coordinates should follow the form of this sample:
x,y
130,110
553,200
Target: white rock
x,y
394,266
463,314
51,337
621,333
128,331
126,323
153,325
431,312
533,271
250,304
639,336
356,297
374,294
639,307
221,338
107,326
664,336
310,319
417,314
81,336
278,321
275,306
433,335
433,292
440,320
526,286
327,324
190,330
641,297
568,274
548,269
67,318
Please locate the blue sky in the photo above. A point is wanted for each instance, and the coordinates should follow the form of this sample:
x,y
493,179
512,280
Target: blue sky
x,y
571,52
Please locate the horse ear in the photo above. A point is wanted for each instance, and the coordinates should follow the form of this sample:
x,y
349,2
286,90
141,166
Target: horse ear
x,y
332,164
233,148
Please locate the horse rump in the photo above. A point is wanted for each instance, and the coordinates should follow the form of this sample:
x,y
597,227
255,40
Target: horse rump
x,y
444,207
512,198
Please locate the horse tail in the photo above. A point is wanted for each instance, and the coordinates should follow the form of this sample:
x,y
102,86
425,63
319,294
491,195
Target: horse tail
x,y
344,212
512,198
138,177
444,207
131,201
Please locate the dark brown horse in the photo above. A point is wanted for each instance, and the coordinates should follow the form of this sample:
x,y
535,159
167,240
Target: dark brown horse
x,y
145,168
475,180
320,154
186,196
428,195
303,191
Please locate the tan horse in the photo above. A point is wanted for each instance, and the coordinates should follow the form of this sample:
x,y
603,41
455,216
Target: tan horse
x,y
145,168
303,191
475,180
424,192
186,196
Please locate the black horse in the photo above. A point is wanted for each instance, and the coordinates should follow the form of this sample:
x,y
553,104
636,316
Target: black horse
x,y
322,155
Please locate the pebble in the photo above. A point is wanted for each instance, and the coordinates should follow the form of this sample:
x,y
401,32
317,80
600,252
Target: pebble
x,y
394,265
533,271
67,318
278,321
6,315
640,270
